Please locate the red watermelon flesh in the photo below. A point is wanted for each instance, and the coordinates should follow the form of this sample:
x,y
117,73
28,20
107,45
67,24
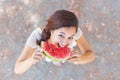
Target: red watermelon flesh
x,y
56,53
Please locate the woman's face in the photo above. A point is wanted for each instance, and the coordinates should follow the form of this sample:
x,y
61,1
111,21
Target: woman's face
x,y
62,36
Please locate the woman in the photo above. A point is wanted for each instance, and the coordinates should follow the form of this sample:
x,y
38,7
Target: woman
x,y
61,30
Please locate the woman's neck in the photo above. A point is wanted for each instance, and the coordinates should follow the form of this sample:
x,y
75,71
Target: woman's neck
x,y
50,41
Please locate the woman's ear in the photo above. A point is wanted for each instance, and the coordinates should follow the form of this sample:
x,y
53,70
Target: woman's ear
x,y
51,31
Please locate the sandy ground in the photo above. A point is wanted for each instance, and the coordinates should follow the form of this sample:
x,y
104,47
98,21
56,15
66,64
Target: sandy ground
x,y
98,19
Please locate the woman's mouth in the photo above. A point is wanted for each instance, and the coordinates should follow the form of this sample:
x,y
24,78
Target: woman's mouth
x,y
60,45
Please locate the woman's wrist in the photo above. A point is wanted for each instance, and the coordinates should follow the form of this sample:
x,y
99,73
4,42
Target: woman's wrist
x,y
32,61
86,57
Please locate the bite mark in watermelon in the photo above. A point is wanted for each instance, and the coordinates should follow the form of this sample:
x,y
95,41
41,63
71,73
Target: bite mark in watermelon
x,y
55,53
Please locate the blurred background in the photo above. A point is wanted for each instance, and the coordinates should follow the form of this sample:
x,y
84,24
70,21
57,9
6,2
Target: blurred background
x,y
98,19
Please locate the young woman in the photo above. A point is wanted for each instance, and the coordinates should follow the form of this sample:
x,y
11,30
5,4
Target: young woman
x,y
61,30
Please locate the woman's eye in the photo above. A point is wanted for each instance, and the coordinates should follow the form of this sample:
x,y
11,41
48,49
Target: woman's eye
x,y
70,38
61,36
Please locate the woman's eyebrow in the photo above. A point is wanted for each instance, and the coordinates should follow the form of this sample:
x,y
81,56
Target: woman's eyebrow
x,y
65,34
62,33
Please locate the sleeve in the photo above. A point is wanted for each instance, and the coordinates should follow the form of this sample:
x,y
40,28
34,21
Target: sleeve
x,y
78,34
34,36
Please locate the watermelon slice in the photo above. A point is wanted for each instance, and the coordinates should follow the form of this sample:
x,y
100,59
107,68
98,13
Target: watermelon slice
x,y
54,53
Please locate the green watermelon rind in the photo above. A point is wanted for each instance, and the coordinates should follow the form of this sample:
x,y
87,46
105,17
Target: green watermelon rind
x,y
53,58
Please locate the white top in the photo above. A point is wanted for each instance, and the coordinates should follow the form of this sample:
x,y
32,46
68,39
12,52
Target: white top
x,y
36,35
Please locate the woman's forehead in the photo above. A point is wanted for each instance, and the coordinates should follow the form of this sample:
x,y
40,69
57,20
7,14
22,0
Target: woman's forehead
x,y
66,30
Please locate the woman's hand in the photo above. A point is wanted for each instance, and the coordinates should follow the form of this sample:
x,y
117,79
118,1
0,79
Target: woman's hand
x,y
37,56
75,58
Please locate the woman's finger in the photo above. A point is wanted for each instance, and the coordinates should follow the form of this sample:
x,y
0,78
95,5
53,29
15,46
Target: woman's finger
x,y
40,53
38,49
37,58
76,53
74,59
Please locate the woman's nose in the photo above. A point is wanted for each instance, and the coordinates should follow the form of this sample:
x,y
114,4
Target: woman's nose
x,y
64,42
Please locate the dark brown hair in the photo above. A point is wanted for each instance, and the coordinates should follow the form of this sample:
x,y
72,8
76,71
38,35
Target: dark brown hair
x,y
61,18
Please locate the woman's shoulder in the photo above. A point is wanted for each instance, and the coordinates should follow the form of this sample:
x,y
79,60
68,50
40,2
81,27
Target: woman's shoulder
x,y
37,30
78,34
33,37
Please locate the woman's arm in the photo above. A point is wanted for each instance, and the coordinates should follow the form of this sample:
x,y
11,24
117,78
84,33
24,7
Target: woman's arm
x,y
87,52
28,57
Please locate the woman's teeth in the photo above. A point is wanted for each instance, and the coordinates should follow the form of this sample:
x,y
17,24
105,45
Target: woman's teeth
x,y
59,45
